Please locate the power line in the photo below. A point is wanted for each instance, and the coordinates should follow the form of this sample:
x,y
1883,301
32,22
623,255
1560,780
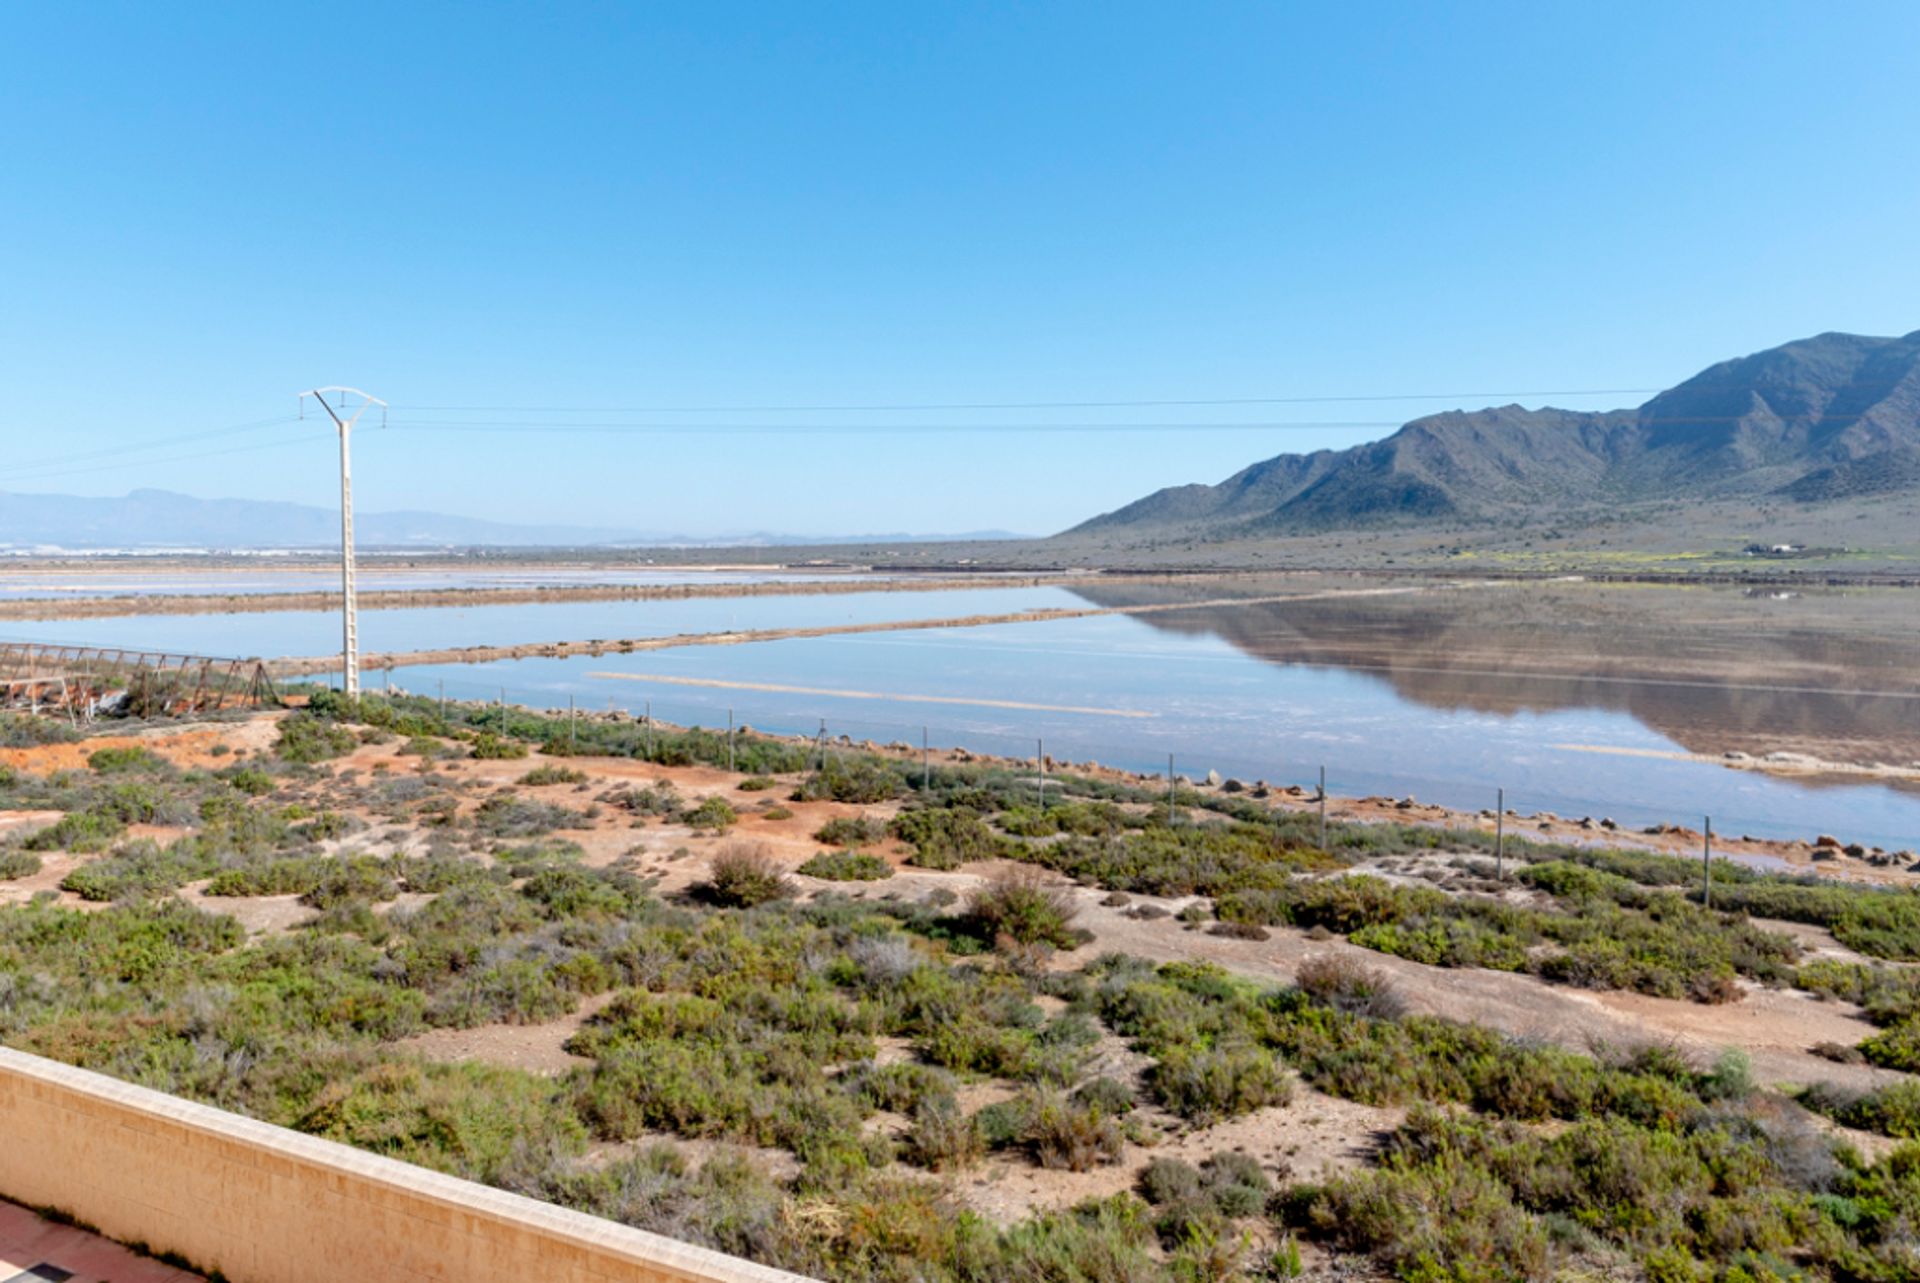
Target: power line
x,y
32,465
1010,405
904,429
178,458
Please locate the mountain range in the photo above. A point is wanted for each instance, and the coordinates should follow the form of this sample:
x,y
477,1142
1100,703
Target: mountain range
x,y
150,519
1832,417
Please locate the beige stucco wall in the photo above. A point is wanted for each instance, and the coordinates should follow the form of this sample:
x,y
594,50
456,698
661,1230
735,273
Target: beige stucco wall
x,y
266,1205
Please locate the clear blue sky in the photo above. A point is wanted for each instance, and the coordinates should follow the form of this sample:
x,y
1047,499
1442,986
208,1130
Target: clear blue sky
x,y
206,208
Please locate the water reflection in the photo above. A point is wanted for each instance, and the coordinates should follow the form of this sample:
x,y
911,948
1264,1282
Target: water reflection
x,y
1832,676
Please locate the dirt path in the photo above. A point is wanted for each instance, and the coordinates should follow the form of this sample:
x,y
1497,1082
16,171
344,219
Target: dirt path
x,y
562,649
415,598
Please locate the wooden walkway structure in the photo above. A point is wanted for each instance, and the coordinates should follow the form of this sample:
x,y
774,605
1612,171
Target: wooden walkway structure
x,y
85,682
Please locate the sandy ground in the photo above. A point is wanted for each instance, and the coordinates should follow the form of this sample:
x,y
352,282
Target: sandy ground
x,y
1312,1134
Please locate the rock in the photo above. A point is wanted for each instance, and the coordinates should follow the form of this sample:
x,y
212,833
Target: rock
x,y
1608,824
1232,785
1825,840
1855,850
1213,779
1826,853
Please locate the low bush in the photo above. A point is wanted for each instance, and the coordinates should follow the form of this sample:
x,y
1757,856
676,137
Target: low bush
x,y
945,838
16,863
850,830
943,1139
847,866
27,730
547,774
1072,1135
1892,1110
744,876
139,871
714,813
130,757
1346,984
1022,905
306,738
1207,1084
505,816
851,779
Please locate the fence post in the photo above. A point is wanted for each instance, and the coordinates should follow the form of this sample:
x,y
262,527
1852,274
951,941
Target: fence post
x,y
926,763
573,731
1040,769
1323,808
729,740
649,730
443,701
1706,865
1169,790
1500,838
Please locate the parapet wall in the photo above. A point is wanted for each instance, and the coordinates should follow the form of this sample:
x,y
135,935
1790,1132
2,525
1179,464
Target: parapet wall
x,y
265,1205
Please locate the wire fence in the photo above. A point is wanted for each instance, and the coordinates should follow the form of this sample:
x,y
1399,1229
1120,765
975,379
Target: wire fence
x,y
1872,816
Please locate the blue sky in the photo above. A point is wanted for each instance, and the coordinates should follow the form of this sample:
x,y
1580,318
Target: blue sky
x,y
208,207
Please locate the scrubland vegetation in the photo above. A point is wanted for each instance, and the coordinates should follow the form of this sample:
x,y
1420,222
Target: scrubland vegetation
x,y
847,1032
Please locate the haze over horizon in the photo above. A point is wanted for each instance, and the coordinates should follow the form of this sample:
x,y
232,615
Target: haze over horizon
x,y
741,207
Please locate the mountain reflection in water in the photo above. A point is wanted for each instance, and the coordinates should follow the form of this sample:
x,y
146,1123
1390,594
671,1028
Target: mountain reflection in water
x,y
1835,676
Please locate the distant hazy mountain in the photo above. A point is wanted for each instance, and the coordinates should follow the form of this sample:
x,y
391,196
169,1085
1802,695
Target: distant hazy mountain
x,y
1831,417
163,519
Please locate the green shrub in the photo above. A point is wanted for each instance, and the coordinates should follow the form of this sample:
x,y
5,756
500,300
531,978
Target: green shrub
x,y
546,774
943,1139
140,870
77,831
850,830
251,780
1892,1110
130,757
1448,1223
488,746
1207,1084
744,876
1020,904
945,838
16,863
714,813
306,737
26,730
853,779
505,816
474,1121
847,866
1071,1135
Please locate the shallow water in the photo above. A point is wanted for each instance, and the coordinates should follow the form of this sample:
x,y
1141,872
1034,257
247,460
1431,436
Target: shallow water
x,y
1446,696
1206,702
40,584
277,634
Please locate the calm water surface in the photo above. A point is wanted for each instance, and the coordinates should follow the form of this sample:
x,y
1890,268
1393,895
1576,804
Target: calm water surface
x,y
1437,696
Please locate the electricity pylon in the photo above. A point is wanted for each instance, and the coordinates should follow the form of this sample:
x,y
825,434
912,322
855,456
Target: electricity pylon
x,y
352,403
